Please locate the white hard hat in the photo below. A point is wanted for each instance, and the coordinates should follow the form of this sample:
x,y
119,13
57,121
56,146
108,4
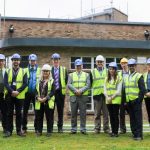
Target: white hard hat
x,y
100,58
148,61
132,61
46,67
2,56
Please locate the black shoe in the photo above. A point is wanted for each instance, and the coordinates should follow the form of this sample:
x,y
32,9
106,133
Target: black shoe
x,y
122,132
96,131
21,134
113,135
7,134
60,130
138,138
83,132
107,131
73,132
38,133
24,131
48,134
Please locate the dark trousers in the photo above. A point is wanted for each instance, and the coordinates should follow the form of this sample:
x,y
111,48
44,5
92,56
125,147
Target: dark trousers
x,y
29,97
13,102
59,103
136,122
40,117
3,110
147,103
123,110
113,110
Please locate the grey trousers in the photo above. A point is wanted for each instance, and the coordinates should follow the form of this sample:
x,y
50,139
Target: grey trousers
x,y
100,106
78,102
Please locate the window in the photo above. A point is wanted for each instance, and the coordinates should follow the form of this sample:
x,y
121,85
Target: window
x,y
117,60
87,62
23,63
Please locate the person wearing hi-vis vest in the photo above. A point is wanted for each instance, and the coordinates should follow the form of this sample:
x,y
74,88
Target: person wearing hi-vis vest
x,y
123,107
135,91
33,73
3,107
147,85
60,76
97,77
15,81
45,100
112,91
78,84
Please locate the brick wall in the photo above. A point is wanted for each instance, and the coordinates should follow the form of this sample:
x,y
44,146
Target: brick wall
x,y
75,30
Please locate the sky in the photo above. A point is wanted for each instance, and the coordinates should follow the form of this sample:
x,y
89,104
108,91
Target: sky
x,y
137,10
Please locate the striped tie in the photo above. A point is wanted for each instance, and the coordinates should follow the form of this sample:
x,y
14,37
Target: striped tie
x,y
56,76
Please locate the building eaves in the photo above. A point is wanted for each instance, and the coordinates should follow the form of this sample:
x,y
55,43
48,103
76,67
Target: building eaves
x,y
65,42
75,21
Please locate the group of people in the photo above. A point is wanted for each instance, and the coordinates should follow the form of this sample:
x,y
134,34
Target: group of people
x,y
114,92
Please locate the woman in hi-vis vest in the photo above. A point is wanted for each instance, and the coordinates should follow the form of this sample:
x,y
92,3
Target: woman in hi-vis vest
x,y
112,92
45,100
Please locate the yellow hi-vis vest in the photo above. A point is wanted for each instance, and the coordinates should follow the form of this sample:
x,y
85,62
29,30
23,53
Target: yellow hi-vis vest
x,y
98,81
38,71
131,86
79,82
62,79
19,81
145,79
50,101
112,88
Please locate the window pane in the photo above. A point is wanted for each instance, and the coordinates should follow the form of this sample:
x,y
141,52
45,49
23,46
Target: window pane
x,y
108,60
24,61
73,60
86,62
118,63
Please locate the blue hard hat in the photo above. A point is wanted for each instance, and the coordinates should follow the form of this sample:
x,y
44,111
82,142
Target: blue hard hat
x,y
15,56
78,62
2,56
148,61
112,64
55,56
32,57
132,61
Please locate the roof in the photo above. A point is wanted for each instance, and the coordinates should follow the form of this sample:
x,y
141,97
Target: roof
x,y
74,21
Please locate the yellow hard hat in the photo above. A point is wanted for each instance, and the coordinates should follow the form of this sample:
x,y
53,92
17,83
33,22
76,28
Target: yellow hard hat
x,y
124,60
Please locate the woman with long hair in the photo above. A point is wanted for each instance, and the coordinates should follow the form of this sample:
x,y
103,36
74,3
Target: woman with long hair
x,y
45,100
112,92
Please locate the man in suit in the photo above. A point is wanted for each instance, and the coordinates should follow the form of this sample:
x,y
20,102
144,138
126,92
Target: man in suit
x,y
59,74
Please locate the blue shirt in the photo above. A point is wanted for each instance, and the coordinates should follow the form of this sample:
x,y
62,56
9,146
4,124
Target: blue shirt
x,y
32,79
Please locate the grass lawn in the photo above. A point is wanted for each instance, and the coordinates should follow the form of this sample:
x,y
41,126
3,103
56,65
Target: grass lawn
x,y
66,141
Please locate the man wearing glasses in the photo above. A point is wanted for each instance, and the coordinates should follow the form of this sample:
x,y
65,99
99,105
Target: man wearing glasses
x,y
97,78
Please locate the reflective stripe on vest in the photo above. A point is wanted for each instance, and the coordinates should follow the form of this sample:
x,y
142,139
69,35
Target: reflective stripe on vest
x,y
62,79
79,81
50,101
112,88
19,81
131,87
38,71
98,81
145,81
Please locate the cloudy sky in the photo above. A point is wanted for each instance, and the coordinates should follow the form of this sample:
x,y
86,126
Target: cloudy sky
x,y
137,10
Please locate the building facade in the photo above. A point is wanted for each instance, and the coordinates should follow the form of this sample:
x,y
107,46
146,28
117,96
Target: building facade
x,y
74,39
